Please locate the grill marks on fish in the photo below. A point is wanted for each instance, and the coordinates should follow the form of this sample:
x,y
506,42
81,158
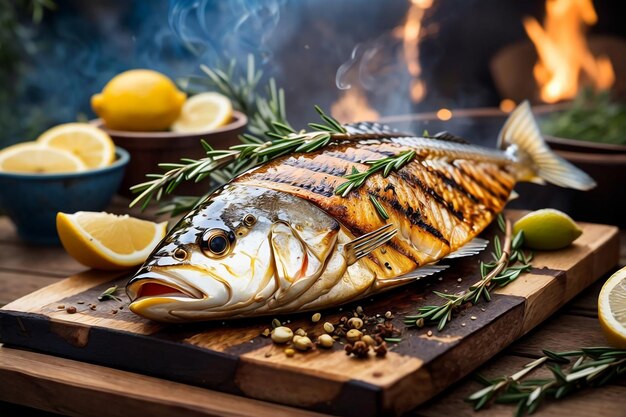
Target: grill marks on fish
x,y
437,203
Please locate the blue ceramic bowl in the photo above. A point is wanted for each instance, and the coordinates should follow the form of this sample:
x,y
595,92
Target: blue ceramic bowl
x,y
32,201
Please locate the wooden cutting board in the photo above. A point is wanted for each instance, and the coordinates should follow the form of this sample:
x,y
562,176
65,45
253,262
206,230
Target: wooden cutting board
x,y
233,357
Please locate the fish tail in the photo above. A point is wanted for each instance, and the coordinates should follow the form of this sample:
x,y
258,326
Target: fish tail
x,y
521,130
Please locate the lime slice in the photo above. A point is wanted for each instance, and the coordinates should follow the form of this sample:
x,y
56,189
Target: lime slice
x,y
547,229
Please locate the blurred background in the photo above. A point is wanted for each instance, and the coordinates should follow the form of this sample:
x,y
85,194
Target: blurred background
x,y
398,56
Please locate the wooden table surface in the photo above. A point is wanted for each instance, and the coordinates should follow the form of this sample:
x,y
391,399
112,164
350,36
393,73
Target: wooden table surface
x,y
24,269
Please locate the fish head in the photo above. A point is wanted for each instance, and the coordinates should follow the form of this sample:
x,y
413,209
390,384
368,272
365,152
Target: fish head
x,y
231,255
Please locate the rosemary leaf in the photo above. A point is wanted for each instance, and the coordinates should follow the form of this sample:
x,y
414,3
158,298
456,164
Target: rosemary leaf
x,y
529,394
379,208
500,273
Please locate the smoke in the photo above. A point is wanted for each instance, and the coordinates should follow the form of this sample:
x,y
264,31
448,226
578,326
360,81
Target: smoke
x,y
314,48
218,31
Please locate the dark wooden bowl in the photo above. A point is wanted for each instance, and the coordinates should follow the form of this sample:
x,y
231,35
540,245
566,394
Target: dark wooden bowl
x,y
148,149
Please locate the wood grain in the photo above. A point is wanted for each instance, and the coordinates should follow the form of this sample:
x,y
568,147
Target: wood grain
x,y
80,389
233,357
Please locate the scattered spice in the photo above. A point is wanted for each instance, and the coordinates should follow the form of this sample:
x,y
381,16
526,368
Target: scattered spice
x,y
369,340
359,349
71,310
387,330
266,333
354,335
302,343
316,317
289,352
355,323
61,307
388,315
92,307
80,302
282,334
328,327
300,332
276,323
430,333
381,350
325,341
473,317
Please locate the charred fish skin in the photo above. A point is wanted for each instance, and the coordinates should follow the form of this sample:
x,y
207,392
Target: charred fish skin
x,y
278,239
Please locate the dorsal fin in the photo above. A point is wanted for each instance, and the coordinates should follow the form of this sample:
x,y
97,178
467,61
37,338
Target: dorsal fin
x,y
378,128
449,137
373,127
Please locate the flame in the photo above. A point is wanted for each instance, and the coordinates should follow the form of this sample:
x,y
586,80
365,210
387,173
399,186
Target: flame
x,y
564,57
410,34
353,106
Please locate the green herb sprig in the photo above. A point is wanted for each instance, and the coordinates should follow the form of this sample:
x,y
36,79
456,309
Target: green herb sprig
x,y
109,294
242,88
254,151
386,165
593,367
592,116
509,262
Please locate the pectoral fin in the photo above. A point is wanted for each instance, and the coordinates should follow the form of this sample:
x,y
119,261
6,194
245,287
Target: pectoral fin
x,y
384,284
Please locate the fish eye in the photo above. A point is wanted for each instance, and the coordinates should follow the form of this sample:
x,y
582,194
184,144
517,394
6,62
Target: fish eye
x,y
216,243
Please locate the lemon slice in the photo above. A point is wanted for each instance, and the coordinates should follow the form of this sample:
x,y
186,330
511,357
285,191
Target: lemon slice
x,y
31,157
547,229
204,112
612,309
107,241
87,142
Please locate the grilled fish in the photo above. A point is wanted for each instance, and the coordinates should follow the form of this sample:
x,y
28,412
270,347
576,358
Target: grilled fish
x,y
278,239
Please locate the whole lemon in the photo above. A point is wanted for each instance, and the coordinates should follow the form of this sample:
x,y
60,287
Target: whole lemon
x,y
139,100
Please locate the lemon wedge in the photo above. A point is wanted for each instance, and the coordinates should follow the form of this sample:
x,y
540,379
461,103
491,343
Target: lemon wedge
x,y
108,241
612,309
204,112
31,157
547,229
87,142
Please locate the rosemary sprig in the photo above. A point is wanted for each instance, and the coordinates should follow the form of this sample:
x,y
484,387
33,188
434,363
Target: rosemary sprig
x,y
242,90
593,367
510,262
356,178
252,152
109,294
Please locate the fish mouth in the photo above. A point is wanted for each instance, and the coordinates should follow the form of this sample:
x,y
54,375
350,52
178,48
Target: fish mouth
x,y
160,284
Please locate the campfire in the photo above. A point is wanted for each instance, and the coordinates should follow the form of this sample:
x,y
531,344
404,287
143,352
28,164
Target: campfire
x,y
560,58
